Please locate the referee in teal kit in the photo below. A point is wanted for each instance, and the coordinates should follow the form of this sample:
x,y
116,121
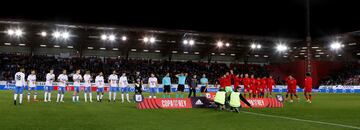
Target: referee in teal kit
x,y
166,81
204,84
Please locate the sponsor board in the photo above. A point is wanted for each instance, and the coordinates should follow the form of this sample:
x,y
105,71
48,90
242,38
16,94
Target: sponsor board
x,y
4,85
165,103
263,103
200,102
256,102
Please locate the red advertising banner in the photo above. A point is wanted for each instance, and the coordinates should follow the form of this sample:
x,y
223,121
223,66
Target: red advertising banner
x,y
179,103
165,103
255,102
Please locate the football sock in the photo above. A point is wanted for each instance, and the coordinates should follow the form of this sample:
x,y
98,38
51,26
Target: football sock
x,y
85,96
90,96
20,98
114,96
49,96
109,95
35,95
122,97
45,96
15,96
58,97
127,97
62,97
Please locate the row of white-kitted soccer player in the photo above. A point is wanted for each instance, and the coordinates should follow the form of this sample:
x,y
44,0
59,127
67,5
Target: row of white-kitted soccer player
x,y
116,84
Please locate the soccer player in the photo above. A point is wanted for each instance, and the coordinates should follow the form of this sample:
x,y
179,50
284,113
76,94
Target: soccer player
x,y
257,87
308,87
62,79
138,82
31,79
19,85
246,82
87,84
50,77
269,87
166,81
204,84
77,79
152,83
227,80
192,86
113,80
291,82
237,80
181,85
124,84
223,81
262,87
99,80
252,93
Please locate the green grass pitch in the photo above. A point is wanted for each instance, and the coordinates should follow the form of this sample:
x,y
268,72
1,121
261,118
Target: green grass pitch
x,y
341,109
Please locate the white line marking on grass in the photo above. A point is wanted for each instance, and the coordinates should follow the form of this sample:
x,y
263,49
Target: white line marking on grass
x,y
303,120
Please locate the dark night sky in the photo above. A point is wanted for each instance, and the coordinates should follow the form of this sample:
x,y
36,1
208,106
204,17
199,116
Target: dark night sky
x,y
279,18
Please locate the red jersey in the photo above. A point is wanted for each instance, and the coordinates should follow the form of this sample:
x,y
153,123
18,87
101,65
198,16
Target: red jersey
x,y
222,82
225,81
291,84
246,82
262,84
237,81
270,82
228,80
252,81
308,83
256,84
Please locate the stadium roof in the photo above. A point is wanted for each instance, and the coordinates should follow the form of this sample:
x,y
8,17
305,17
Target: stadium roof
x,y
280,18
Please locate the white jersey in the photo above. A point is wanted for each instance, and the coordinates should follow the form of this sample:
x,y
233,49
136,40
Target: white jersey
x,y
152,82
113,80
77,78
63,78
123,81
31,80
99,80
49,79
20,79
87,79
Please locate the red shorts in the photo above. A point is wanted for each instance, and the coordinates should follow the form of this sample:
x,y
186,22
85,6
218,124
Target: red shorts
x,y
253,91
308,90
293,91
261,91
247,90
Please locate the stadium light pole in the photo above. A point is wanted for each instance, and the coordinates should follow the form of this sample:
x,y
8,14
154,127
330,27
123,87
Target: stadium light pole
x,y
308,67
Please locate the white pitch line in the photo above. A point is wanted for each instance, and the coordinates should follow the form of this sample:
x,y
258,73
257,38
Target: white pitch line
x,y
303,120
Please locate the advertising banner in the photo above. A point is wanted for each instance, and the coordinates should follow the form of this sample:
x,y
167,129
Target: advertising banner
x,y
165,103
